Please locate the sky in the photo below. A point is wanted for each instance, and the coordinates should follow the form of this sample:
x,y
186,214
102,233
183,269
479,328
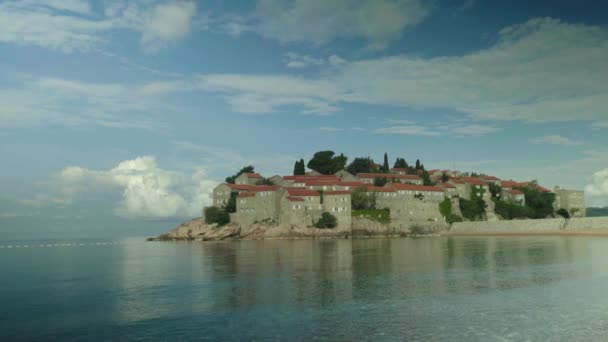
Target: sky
x,y
133,111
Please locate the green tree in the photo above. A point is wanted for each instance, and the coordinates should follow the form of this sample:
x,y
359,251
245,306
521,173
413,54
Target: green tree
x,y
246,169
216,215
509,211
326,163
444,178
264,181
385,167
426,179
361,199
540,202
360,165
231,204
380,181
418,164
327,220
474,208
445,207
400,163
299,168
495,191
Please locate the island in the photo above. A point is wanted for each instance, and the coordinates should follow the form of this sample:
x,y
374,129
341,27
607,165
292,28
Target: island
x,y
336,200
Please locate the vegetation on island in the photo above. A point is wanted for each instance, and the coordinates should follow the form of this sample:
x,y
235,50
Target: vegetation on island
x,y
475,208
538,205
510,211
327,163
246,169
361,199
216,215
299,169
327,220
563,213
445,209
378,215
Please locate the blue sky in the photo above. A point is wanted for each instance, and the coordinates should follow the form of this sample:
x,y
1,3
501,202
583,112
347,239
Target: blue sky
x,y
145,106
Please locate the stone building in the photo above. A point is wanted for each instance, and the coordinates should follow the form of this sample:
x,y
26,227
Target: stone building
x,y
368,178
248,178
513,196
409,203
571,200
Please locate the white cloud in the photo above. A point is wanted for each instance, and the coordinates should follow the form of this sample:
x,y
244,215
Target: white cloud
x,y
147,190
407,127
165,23
319,21
555,140
68,102
472,130
407,130
543,70
600,124
71,26
297,61
330,129
260,94
597,190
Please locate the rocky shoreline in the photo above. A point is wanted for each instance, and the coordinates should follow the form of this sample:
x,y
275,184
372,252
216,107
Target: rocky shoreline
x,y
198,230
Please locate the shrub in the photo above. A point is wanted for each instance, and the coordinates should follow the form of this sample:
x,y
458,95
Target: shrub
x,y
445,207
474,208
380,181
231,205
327,220
382,216
510,211
216,215
563,213
453,218
363,200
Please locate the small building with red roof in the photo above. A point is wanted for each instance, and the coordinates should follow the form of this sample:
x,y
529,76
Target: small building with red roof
x,y
248,178
368,178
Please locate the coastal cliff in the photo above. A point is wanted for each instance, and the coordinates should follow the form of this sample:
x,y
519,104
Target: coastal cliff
x,y
198,230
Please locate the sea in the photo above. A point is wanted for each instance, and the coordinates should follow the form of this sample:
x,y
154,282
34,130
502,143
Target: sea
x,y
380,289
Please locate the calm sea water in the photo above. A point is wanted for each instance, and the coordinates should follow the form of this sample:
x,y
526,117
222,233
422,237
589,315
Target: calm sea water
x,y
430,289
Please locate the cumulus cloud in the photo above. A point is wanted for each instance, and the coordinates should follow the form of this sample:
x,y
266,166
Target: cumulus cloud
x,y
146,189
555,140
540,71
71,25
597,190
319,21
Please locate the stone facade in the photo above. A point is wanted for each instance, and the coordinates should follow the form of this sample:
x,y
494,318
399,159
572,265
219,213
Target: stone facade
x,y
571,200
368,178
248,179
513,196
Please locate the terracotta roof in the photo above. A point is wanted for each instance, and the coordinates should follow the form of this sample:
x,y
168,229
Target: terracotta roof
x,y
508,184
446,185
254,188
414,187
387,175
295,199
247,194
342,192
372,188
515,192
331,182
301,179
399,169
253,175
491,178
302,192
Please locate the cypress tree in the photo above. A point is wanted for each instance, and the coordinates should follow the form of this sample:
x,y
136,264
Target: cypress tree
x,y
417,164
385,167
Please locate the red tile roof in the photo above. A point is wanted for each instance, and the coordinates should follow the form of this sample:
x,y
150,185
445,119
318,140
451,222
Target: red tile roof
x,y
301,179
247,194
508,184
414,187
341,192
254,188
253,175
332,182
387,175
372,188
515,192
302,192
295,199
446,185
491,178
399,169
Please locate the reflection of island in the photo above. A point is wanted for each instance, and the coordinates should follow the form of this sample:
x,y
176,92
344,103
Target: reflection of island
x,y
305,284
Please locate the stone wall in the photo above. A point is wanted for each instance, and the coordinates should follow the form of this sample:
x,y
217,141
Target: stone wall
x,y
557,225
